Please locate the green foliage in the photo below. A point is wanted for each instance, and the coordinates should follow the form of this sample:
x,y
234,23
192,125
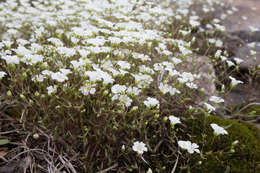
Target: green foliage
x,y
218,154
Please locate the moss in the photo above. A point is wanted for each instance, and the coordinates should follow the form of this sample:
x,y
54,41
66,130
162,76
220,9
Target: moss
x,y
217,153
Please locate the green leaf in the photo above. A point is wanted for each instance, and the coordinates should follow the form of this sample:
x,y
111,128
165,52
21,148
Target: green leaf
x,y
4,141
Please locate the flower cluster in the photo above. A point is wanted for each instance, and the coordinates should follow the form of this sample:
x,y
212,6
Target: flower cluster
x,y
108,61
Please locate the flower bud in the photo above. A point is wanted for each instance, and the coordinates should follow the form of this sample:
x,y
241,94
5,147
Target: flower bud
x,y
37,94
156,116
165,119
149,170
22,96
58,107
123,148
36,136
43,96
9,94
24,75
105,93
235,142
134,108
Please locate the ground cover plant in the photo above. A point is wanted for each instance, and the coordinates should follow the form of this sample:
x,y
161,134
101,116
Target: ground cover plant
x,y
101,86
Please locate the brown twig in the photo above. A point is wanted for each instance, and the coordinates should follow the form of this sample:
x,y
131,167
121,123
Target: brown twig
x,y
108,169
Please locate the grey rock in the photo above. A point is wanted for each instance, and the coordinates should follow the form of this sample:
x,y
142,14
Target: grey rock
x,y
242,94
250,53
245,8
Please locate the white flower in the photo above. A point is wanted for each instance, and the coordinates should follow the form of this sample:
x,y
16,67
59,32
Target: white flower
x,y
186,77
194,23
139,147
218,130
38,78
118,88
2,74
244,17
133,90
176,60
234,82
11,59
151,102
164,88
219,43
51,89
58,76
22,51
149,170
230,63
125,100
32,59
172,91
124,64
190,147
55,41
184,50
143,81
218,53
174,120
77,64
253,29
238,60
46,73
107,78
209,107
220,27
93,76
68,52
87,89
191,85
216,99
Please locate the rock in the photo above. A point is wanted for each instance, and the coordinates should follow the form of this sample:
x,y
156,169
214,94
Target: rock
x,y
244,17
242,94
250,53
248,36
243,41
243,27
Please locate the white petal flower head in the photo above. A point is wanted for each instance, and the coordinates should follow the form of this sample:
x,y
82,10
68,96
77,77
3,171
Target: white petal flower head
x,y
2,74
87,89
164,88
218,130
238,60
124,64
209,107
52,89
125,100
139,147
216,99
116,89
190,147
151,102
174,120
93,76
65,71
234,82
11,59
58,76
